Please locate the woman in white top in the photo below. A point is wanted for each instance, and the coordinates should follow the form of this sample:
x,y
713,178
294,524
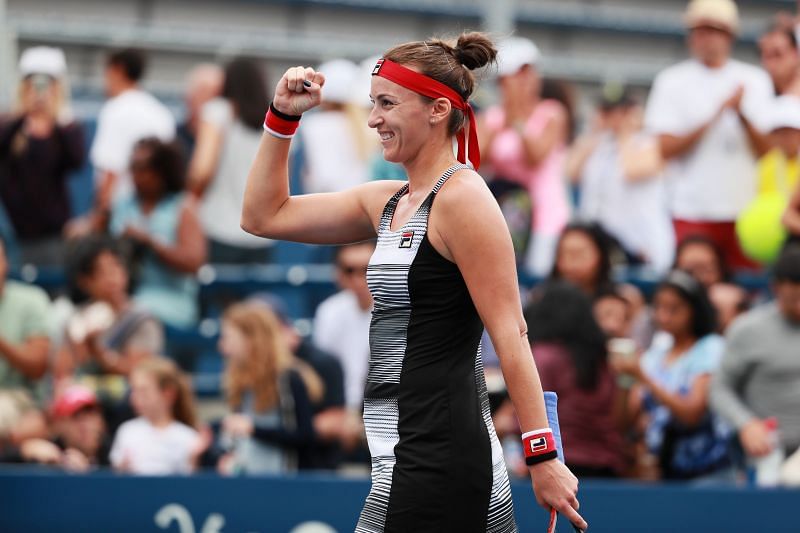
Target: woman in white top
x,y
228,138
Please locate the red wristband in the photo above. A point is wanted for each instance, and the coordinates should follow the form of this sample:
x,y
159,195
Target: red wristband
x,y
280,124
539,446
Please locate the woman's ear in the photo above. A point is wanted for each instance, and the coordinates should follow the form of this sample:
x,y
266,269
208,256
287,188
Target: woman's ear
x,y
440,110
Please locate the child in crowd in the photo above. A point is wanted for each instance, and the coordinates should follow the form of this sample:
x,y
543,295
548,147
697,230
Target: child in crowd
x,y
673,378
269,391
162,440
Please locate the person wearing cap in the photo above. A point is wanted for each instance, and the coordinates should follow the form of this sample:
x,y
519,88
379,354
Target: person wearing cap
x,y
337,146
443,268
40,145
759,376
708,113
525,139
227,138
619,169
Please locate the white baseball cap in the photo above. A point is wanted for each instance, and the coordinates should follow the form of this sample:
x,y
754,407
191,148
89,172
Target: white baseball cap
x,y
513,53
720,14
340,76
43,60
784,113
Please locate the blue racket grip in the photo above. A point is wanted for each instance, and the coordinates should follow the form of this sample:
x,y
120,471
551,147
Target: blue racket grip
x,y
551,406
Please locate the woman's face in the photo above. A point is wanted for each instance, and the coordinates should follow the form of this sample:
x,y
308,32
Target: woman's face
x,y
699,260
673,313
612,316
578,259
233,344
402,119
523,86
147,182
39,93
108,281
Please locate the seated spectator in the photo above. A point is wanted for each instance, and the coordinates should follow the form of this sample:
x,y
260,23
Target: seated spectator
x,y
107,333
24,334
613,313
79,429
570,352
703,259
331,421
22,425
730,301
230,131
270,392
160,223
583,258
759,376
162,440
341,325
39,147
672,382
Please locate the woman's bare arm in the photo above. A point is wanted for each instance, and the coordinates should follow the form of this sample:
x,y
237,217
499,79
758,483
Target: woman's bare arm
x,y
330,218
468,228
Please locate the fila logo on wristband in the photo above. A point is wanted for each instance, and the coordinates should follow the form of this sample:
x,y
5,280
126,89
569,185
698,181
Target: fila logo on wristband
x,y
539,445
279,124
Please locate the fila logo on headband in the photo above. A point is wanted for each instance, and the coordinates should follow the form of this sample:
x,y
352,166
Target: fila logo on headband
x,y
406,239
377,67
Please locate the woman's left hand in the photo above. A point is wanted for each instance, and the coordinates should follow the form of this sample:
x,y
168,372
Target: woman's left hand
x,y
627,365
556,487
238,425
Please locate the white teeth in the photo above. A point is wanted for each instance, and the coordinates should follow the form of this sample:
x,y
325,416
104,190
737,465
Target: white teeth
x,y
386,136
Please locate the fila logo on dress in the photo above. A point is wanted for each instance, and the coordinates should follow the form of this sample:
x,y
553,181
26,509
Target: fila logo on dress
x,y
406,239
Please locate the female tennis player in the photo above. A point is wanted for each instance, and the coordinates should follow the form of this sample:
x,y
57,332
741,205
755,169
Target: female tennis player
x,y
443,269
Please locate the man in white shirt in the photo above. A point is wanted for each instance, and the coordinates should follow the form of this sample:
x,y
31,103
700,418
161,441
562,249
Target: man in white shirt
x,y
341,325
129,115
707,112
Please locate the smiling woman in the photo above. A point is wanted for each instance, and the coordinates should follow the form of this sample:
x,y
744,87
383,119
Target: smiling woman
x,y
436,460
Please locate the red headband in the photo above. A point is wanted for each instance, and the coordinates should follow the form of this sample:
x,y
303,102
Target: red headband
x,y
427,86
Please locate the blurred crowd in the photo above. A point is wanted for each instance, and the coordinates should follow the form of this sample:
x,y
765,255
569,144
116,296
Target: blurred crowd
x,y
697,184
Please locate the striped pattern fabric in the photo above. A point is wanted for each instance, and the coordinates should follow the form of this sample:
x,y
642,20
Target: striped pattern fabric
x,y
388,280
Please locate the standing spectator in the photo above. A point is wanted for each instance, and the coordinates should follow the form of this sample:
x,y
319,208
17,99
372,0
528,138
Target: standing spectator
x,y
39,146
203,84
129,115
107,333
570,352
162,440
781,58
160,221
710,137
341,325
621,185
24,337
270,392
231,127
524,140
673,380
759,376
337,144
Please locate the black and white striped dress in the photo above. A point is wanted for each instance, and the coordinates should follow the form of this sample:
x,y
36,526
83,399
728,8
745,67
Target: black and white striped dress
x,y
437,465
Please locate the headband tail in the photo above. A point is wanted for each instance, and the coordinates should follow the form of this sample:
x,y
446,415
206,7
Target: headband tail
x,y
474,150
